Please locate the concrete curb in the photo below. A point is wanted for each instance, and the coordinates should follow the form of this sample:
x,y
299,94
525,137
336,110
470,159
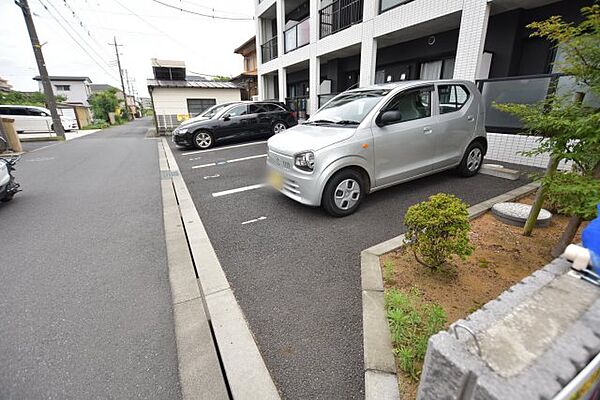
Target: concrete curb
x,y
245,370
379,363
200,373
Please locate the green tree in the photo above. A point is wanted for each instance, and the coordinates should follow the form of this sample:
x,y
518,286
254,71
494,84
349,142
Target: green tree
x,y
570,128
103,103
27,98
221,78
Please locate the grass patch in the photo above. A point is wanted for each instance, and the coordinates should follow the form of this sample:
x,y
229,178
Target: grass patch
x,y
412,321
388,272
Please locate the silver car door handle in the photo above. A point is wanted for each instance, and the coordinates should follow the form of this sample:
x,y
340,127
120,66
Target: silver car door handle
x,y
470,118
427,130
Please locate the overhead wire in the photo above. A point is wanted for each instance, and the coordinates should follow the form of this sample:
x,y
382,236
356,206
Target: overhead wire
x,y
213,16
77,42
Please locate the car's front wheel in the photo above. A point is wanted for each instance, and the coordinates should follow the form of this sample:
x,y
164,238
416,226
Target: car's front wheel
x,y
472,160
203,140
343,193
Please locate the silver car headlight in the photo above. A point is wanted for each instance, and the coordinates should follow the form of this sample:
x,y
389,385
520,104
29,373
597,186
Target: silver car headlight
x,y
305,161
181,131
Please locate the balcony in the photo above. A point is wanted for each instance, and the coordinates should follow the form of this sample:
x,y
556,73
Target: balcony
x,y
339,15
297,36
269,50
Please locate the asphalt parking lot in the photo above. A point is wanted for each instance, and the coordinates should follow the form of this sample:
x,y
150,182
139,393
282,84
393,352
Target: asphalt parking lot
x,y
295,270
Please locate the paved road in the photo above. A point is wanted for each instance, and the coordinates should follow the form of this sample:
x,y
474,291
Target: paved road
x,y
296,274
84,294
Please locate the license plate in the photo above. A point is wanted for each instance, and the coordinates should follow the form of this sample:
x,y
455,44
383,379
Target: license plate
x,y
276,180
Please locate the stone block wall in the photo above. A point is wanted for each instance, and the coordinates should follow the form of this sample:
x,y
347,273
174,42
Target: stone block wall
x,y
531,341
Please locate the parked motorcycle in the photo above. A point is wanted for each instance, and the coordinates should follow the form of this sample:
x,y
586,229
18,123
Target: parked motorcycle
x,y
8,186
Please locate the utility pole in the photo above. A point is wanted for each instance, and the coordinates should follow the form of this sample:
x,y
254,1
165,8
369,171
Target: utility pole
x,y
126,111
39,59
129,87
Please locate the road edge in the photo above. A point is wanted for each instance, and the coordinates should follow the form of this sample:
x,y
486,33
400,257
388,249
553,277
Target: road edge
x,y
244,367
381,380
200,374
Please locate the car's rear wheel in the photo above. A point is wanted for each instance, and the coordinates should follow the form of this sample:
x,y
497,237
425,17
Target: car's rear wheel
x,y
203,140
343,193
278,127
472,160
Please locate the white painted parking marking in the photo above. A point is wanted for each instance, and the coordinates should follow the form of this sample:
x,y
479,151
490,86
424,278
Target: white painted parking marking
x,y
242,189
212,164
211,176
254,220
229,161
189,153
195,158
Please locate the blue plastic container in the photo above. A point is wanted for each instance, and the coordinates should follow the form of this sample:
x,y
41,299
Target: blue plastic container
x,y
591,241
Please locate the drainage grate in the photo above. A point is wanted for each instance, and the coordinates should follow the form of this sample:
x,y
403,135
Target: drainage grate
x,y
168,174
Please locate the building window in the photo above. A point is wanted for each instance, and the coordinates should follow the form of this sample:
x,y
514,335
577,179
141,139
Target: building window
x,y
196,106
438,69
63,88
389,4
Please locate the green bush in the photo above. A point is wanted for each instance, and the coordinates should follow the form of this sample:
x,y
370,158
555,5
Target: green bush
x,y
412,321
97,124
437,229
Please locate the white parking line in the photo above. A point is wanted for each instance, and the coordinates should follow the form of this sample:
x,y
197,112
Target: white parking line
x,y
242,189
254,220
229,161
211,176
195,158
189,153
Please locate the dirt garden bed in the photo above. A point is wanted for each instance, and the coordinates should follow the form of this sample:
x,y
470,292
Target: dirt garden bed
x,y
502,257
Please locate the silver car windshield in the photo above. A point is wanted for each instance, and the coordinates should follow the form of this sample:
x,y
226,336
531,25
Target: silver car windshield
x,y
348,108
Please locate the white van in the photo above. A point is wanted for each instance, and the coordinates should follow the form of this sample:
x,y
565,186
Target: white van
x,y
32,119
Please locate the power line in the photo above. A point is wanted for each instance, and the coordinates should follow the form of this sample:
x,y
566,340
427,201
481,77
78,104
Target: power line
x,y
155,27
84,26
76,41
210,8
202,14
100,56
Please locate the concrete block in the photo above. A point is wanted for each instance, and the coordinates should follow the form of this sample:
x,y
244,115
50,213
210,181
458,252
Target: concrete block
x,y
446,368
370,272
500,172
558,266
199,370
377,344
535,338
508,300
246,371
387,246
381,386
515,341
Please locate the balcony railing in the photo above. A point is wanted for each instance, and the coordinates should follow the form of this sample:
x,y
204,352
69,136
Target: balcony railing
x,y
339,15
297,36
269,50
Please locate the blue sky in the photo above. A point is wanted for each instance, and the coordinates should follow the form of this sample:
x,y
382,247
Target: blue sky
x,y
145,28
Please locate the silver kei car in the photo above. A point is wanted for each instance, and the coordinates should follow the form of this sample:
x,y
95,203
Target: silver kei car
x,y
370,138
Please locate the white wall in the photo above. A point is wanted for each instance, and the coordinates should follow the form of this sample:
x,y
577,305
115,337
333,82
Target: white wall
x,y
509,148
79,92
170,101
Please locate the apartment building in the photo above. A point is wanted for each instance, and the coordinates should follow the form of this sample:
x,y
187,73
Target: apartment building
x,y
309,50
